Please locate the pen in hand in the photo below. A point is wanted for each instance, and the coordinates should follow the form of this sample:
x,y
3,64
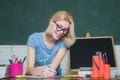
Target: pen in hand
x,y
49,67
46,64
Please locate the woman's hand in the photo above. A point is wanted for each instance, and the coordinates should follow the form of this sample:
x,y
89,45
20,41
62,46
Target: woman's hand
x,y
49,72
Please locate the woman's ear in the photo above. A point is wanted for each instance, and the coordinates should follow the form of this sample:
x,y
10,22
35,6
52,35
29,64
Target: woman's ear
x,y
51,22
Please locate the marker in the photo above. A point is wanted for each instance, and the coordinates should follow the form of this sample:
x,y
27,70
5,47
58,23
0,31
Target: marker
x,y
20,76
73,76
96,64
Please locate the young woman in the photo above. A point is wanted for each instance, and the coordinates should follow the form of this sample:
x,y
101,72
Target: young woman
x,y
47,49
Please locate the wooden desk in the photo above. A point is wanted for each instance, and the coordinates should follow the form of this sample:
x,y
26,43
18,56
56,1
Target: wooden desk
x,y
60,78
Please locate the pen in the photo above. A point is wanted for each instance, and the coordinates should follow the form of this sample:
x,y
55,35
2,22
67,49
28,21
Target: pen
x,y
96,64
24,59
46,64
10,61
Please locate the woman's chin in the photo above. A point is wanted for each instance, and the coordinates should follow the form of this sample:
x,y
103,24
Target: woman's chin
x,y
57,38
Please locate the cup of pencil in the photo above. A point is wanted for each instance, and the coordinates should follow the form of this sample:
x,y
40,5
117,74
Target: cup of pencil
x,y
15,69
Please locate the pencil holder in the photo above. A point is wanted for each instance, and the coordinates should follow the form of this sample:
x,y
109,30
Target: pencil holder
x,y
95,66
15,70
107,71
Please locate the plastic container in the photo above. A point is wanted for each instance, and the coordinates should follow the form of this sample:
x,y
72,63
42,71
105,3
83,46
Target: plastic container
x,y
15,70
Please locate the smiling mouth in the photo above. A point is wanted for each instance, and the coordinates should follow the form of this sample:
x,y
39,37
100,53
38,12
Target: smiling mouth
x,y
58,34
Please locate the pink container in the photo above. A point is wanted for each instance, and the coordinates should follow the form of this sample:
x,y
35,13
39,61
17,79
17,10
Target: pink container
x,y
15,70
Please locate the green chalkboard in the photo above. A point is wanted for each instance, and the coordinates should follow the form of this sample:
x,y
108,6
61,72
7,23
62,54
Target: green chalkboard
x,y
20,18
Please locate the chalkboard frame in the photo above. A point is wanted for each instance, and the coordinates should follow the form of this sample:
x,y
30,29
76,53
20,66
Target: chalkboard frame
x,y
75,60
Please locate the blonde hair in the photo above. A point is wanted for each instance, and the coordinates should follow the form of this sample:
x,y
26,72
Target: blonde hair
x,y
69,38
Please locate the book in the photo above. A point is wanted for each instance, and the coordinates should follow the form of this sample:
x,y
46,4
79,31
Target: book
x,y
2,70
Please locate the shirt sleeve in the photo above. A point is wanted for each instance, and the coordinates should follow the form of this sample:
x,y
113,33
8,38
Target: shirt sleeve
x,y
63,45
31,41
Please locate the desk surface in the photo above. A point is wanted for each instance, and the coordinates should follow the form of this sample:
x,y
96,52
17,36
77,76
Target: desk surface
x,y
61,78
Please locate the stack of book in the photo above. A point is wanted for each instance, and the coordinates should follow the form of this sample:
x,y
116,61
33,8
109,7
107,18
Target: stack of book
x,y
2,70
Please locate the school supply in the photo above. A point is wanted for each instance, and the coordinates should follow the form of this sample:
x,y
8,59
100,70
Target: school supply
x,y
100,69
16,66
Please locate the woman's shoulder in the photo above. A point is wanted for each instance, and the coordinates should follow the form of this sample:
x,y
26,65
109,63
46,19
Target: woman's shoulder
x,y
61,43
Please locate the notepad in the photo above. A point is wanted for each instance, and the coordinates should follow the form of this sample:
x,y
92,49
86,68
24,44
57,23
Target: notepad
x,y
29,76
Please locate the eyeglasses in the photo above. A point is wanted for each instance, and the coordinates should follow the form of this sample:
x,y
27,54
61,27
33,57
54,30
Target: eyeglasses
x,y
60,28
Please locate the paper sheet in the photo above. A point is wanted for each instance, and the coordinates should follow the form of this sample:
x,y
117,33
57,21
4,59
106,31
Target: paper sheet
x,y
28,76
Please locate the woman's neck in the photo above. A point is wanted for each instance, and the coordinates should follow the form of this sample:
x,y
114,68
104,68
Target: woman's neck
x,y
49,41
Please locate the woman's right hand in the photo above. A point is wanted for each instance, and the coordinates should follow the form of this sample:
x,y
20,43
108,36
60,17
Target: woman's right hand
x,y
48,72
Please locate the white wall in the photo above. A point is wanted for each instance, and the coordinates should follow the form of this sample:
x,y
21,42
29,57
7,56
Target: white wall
x,y
6,51
21,51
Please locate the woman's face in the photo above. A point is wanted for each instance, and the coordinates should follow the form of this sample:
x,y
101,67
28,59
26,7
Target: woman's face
x,y
59,29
